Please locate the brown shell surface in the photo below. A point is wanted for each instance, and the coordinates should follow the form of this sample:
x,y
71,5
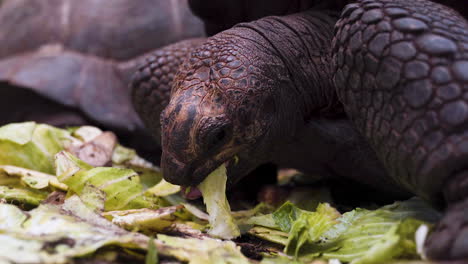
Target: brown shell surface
x,y
81,54
120,30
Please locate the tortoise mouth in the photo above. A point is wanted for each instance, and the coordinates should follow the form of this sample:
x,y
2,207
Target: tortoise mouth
x,y
190,175
192,192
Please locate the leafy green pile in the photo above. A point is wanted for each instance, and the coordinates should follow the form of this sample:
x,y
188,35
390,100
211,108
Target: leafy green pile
x,y
56,207
358,237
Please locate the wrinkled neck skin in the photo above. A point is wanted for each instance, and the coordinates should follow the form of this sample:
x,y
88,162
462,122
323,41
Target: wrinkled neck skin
x,y
295,66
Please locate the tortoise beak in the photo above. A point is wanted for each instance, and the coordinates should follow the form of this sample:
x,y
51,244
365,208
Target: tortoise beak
x,y
188,174
175,171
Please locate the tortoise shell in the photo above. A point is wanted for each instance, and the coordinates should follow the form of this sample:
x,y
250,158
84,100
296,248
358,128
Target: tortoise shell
x,y
81,54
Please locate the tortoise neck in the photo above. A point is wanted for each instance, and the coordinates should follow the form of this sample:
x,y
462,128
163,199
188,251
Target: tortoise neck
x,y
297,49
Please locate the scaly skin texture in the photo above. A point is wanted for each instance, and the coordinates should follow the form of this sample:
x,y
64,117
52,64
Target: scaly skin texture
x,y
153,81
398,68
222,15
240,94
402,76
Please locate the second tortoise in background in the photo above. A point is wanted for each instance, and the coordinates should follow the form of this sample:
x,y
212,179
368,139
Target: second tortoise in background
x,y
67,62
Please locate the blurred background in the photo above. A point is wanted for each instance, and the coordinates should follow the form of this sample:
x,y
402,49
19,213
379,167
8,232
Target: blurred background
x,y
68,62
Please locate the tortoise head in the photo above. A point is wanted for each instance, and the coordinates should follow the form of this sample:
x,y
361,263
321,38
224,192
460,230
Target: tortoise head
x,y
220,111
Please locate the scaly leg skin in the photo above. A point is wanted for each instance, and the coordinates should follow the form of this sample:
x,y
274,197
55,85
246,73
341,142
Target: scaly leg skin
x,y
450,236
402,74
151,84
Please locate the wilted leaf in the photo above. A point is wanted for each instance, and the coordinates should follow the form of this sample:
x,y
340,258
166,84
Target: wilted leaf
x,y
53,234
269,234
286,215
374,236
11,217
285,260
96,152
310,226
264,220
93,197
32,146
152,255
31,178
122,186
196,212
19,194
146,220
163,188
203,251
213,189
149,174
86,133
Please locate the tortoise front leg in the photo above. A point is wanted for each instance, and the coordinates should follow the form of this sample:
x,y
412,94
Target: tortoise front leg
x,y
402,75
152,82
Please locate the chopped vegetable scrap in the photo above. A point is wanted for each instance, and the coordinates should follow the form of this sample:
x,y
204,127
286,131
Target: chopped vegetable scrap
x,y
70,194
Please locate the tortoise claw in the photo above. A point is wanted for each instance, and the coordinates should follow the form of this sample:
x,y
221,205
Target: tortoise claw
x,y
449,240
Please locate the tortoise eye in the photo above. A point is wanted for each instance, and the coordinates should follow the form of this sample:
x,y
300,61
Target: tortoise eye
x,y
220,135
217,137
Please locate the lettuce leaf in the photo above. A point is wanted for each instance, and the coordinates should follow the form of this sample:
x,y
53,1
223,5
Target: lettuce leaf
x,y
145,220
149,174
269,234
371,236
203,251
286,215
53,234
32,146
310,226
213,189
26,187
163,188
122,187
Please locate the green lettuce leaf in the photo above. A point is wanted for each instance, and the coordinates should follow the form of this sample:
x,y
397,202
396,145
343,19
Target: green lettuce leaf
x,y
264,221
284,260
310,226
146,220
26,187
269,234
286,215
374,236
122,186
149,174
213,189
54,234
152,255
163,188
32,146
203,251
19,194
30,178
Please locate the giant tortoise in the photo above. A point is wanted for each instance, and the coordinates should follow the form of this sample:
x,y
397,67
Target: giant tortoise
x,y
378,93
